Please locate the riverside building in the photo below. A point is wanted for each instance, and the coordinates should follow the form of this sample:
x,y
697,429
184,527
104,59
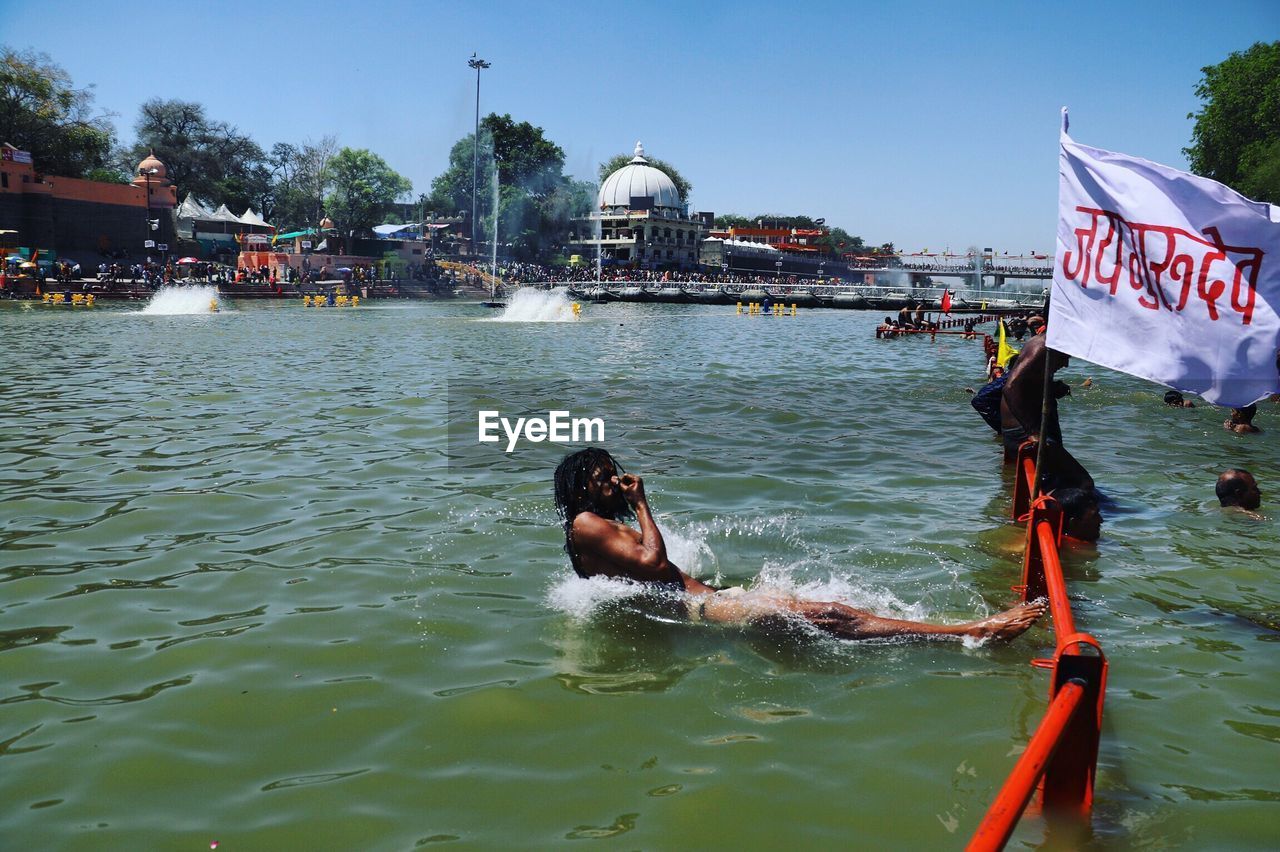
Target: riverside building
x,y
90,218
640,221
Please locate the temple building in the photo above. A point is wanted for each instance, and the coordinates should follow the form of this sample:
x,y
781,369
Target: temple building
x,y
90,218
641,221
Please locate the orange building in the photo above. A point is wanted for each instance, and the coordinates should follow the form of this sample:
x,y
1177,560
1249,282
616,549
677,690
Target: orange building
x,y
800,240
83,218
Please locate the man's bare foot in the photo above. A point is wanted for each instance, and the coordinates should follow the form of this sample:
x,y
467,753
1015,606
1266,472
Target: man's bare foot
x,y
1008,624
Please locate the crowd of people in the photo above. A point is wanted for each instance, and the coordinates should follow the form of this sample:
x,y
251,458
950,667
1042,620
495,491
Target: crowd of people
x,y
153,274
912,317
522,274
966,265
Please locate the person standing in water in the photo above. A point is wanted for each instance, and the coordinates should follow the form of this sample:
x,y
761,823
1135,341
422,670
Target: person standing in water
x,y
594,497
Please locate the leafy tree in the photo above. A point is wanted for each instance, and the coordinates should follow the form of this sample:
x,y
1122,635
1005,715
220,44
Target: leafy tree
x,y
451,190
840,241
534,227
364,186
106,174
525,157
42,112
614,163
733,220
300,177
1236,138
211,159
537,201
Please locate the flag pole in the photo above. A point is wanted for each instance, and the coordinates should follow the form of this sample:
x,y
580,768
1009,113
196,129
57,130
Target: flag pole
x,y
1044,416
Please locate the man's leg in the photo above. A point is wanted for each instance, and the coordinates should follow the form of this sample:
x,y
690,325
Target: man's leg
x,y
848,623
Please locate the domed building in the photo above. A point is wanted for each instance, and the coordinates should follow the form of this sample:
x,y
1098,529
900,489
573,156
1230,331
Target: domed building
x,y
641,221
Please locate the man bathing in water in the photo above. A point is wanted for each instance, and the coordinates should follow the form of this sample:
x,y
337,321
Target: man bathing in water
x,y
593,497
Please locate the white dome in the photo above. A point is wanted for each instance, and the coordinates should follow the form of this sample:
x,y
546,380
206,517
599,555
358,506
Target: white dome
x,y
638,178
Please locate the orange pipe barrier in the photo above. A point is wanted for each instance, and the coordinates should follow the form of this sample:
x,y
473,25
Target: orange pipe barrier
x,y
1024,480
1063,753
1003,815
1069,777
1054,583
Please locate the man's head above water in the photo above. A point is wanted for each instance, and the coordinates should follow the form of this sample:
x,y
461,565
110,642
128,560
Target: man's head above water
x,y
1237,487
587,481
1080,517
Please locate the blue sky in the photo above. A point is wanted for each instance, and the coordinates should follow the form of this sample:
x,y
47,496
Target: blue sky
x,y
928,124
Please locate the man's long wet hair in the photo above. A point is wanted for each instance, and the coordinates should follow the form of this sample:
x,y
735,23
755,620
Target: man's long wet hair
x,y
573,498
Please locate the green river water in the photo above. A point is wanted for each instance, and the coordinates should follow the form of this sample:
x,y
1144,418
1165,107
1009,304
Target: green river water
x,y
262,586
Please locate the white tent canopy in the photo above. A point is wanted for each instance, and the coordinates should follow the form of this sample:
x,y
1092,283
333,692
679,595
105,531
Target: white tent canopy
x,y
252,218
388,230
190,208
222,214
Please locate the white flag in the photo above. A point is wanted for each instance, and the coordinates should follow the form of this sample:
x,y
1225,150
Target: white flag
x,y
1165,275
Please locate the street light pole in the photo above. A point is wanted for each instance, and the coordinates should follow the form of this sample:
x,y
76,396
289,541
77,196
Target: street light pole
x,y
146,231
477,64
146,177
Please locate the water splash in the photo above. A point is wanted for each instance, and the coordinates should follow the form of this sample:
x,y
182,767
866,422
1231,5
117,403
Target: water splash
x,y
529,304
169,301
581,598
497,204
810,576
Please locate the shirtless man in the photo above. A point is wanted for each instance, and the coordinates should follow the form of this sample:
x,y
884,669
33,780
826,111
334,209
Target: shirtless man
x,y
1020,408
593,497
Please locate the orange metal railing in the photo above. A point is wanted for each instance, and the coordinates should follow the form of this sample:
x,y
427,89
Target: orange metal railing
x,y
1062,756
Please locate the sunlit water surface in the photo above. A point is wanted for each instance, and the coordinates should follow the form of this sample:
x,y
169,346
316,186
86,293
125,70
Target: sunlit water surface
x,y
256,590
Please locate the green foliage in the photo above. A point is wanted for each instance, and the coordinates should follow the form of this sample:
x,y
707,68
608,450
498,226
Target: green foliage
x,y
210,159
451,190
300,177
532,227
524,156
1260,172
106,174
537,201
614,163
841,241
364,186
41,112
1237,131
